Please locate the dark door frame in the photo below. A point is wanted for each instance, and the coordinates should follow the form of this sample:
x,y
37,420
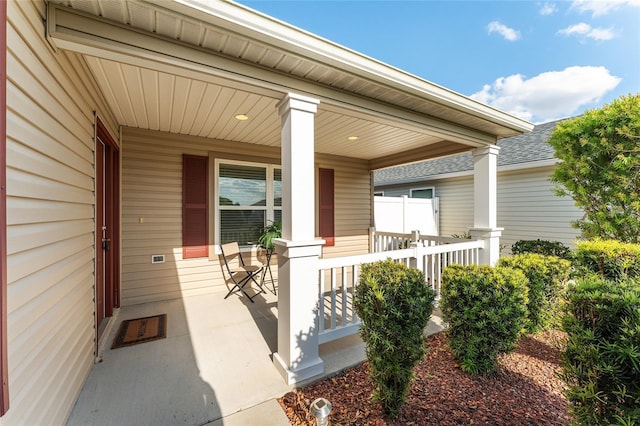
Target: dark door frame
x,y
107,224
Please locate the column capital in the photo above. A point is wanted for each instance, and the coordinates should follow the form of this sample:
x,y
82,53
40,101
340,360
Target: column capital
x,y
486,150
486,232
297,102
295,249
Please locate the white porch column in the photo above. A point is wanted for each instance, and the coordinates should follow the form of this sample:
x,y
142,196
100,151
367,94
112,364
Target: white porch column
x,y
297,357
485,164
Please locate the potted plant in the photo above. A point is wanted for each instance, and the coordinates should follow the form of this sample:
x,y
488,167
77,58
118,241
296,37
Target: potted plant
x,y
270,232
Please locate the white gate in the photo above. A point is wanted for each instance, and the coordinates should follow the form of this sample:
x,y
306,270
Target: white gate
x,y
404,215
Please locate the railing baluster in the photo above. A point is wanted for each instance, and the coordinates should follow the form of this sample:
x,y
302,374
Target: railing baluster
x,y
433,255
344,295
356,277
438,274
321,313
333,298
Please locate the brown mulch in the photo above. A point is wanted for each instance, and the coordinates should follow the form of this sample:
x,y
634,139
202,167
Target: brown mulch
x,y
525,391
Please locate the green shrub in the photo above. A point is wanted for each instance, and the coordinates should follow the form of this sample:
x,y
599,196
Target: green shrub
x,y
485,309
547,276
610,259
395,305
547,248
601,364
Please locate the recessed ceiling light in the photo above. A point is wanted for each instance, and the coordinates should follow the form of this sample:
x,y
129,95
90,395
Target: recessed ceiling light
x,y
353,138
242,117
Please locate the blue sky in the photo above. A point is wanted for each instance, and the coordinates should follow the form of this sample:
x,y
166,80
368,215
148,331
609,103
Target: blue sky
x,y
539,60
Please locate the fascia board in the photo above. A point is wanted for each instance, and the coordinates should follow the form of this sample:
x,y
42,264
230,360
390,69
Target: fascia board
x,y
267,30
88,34
464,173
528,165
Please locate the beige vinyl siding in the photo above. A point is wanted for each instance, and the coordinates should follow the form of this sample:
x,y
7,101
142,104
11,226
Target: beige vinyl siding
x,y
152,212
50,213
456,204
528,209
152,219
352,205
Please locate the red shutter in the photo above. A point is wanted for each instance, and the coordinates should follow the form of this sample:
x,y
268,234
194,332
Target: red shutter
x,y
195,214
326,202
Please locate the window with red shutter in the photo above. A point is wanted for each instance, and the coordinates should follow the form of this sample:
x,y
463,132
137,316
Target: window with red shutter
x,y
195,212
326,217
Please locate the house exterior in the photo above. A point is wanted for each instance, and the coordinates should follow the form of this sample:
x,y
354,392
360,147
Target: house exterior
x,y
527,207
130,158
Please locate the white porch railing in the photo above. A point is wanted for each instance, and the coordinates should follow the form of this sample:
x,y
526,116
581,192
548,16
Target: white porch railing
x,y
338,277
385,241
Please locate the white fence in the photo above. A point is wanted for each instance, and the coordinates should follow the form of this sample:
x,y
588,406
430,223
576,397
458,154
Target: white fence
x,y
404,215
338,277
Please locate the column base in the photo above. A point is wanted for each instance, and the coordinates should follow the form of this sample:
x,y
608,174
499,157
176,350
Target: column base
x,y
311,368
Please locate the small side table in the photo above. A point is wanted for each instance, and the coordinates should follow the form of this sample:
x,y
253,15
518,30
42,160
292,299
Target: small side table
x,y
267,268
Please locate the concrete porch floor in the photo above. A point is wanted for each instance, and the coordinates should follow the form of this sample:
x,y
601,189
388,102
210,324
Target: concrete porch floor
x,y
214,367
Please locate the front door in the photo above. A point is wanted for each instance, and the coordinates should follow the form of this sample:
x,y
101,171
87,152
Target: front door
x,y
107,226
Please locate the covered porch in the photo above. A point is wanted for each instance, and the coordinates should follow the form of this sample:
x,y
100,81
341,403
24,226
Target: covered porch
x,y
214,367
216,363
236,91
137,133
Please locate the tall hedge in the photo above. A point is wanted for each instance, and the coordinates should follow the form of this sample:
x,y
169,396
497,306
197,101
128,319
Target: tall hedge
x,y
547,248
547,276
610,259
601,364
394,304
486,310
599,158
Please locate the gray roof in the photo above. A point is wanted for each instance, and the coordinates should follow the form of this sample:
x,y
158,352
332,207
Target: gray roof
x,y
519,149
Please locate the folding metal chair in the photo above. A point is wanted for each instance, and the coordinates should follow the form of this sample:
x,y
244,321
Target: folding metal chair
x,y
239,273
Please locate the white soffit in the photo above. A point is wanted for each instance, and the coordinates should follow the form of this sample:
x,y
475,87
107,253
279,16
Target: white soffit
x,y
421,113
150,99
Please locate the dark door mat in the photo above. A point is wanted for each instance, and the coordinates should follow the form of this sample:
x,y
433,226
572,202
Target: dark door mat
x,y
141,330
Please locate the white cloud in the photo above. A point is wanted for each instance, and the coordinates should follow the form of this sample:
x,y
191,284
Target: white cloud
x,y
548,9
506,32
585,30
601,34
601,7
550,95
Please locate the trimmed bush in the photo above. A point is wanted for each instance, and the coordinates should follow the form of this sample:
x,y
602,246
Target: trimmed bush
x,y
547,276
486,310
395,305
601,364
544,247
610,259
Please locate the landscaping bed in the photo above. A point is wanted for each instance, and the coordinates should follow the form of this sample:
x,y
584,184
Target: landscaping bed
x,y
525,391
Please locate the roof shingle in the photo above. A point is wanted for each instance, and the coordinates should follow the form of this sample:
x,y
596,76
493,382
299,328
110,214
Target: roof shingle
x,y
519,149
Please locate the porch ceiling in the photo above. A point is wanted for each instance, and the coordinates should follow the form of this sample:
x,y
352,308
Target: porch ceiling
x,y
155,100
191,66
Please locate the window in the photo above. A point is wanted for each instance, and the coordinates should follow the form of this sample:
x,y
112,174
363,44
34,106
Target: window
x,y
423,192
249,196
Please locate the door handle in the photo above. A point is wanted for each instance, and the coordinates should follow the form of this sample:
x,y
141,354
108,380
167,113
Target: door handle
x,y
106,243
